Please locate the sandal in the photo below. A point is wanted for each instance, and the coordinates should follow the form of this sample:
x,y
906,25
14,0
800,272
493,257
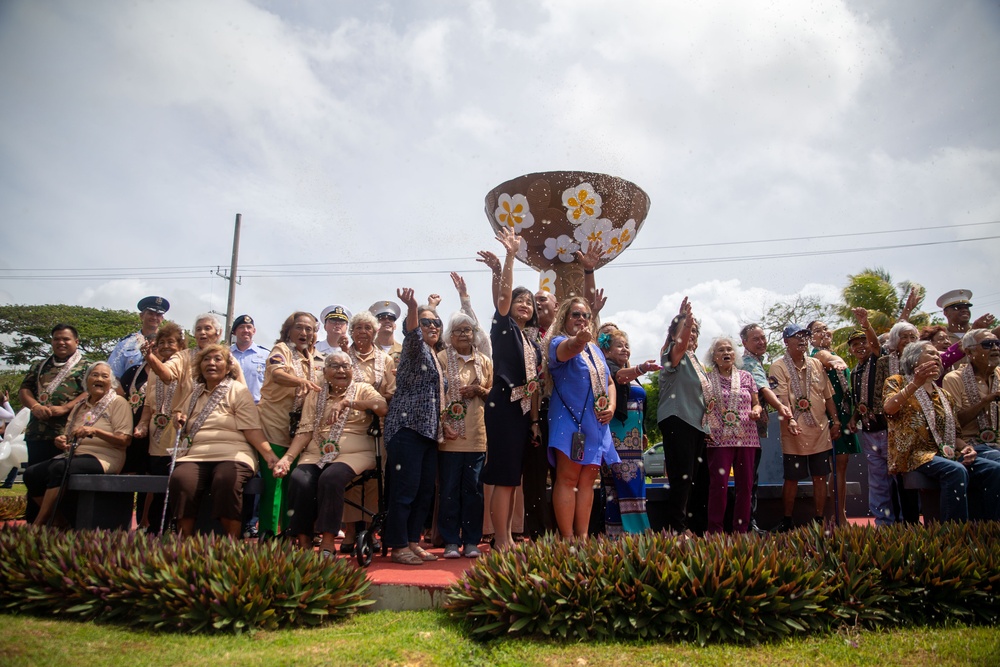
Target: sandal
x,y
422,554
406,557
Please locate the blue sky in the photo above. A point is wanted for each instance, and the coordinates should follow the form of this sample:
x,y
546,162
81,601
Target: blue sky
x,y
365,135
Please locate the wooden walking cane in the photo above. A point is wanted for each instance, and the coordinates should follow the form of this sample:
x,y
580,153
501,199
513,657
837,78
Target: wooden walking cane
x,y
65,482
173,462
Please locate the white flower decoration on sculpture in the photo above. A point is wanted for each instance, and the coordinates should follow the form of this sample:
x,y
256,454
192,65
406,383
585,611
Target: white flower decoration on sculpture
x,y
522,251
513,212
547,281
563,246
621,238
593,231
582,203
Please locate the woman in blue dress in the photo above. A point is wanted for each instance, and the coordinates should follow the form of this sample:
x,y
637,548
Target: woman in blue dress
x,y
582,404
625,481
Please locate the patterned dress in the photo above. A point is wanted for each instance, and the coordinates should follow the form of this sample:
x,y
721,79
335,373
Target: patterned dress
x,y
625,481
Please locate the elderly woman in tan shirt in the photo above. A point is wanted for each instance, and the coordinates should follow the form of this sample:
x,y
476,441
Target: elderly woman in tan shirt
x,y
102,428
291,374
469,376
333,447
220,440
375,366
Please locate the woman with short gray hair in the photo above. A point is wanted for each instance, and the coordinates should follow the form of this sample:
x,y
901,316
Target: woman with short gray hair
x,y
731,410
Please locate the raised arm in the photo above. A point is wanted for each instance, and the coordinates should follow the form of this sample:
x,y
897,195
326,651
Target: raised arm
x,y
405,294
589,261
511,242
861,315
490,260
684,335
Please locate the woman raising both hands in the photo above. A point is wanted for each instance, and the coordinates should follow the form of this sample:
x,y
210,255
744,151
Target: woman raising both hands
x,y
511,414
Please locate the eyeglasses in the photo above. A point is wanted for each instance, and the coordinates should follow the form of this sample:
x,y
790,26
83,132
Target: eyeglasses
x,y
428,322
579,315
304,327
338,367
463,332
989,343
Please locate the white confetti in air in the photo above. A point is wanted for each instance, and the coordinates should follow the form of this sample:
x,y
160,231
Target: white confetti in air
x,y
684,477
399,467
492,404
575,489
290,512
722,471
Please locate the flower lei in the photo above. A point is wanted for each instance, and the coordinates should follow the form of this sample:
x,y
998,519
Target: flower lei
x,y
457,406
863,390
986,419
377,356
137,397
164,399
946,442
296,364
63,373
802,402
329,447
598,378
193,426
706,385
730,416
91,416
531,384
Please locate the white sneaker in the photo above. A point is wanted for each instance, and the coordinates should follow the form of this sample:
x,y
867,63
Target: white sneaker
x,y
451,551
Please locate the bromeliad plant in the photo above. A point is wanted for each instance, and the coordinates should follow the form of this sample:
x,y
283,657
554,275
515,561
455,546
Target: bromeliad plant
x,y
734,588
201,584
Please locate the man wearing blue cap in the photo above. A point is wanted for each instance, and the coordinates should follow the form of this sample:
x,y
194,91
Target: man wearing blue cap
x,y
128,351
251,357
801,383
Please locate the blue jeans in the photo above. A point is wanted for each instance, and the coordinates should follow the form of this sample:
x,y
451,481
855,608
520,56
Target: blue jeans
x,y
984,451
960,484
412,461
460,497
876,446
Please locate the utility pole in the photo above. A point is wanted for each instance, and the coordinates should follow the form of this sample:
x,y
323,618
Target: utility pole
x,y
231,304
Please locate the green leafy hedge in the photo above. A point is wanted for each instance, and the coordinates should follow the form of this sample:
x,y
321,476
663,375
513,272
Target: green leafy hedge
x,y
734,588
201,584
12,507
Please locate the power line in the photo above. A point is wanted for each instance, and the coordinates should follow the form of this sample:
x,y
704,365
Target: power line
x,y
291,273
164,272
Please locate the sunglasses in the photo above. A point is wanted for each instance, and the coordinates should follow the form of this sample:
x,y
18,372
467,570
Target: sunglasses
x,y
386,316
428,322
989,343
579,315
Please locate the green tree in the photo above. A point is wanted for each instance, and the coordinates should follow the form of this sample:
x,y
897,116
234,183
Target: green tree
x,y
886,302
649,423
802,310
25,330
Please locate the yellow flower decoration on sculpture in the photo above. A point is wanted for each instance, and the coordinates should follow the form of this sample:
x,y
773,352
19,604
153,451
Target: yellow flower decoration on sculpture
x,y
621,239
547,281
593,231
513,212
582,203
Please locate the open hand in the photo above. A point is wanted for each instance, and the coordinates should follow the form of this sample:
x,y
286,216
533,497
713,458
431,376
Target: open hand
x,y
490,260
405,294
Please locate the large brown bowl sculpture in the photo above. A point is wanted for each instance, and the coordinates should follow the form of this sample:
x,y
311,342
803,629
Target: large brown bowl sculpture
x,y
557,213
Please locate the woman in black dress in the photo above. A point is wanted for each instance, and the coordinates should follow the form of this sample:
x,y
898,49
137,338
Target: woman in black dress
x,y
512,405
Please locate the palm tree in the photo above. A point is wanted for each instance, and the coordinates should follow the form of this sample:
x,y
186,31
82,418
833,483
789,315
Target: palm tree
x,y
885,301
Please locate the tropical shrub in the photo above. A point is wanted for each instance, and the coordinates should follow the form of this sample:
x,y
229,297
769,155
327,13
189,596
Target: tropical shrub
x,y
200,584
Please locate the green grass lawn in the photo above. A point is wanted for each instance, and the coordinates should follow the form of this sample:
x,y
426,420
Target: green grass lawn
x,y
427,638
